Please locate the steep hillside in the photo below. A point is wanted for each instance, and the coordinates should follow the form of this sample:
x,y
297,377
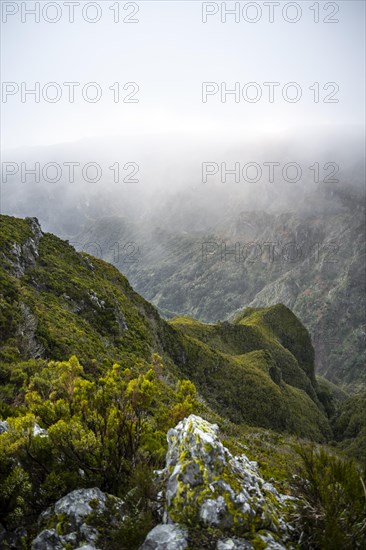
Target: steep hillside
x,y
57,302
349,426
312,263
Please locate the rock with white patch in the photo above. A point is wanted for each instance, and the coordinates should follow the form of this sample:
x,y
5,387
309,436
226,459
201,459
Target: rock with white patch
x,y
205,484
4,426
37,430
26,255
69,520
234,544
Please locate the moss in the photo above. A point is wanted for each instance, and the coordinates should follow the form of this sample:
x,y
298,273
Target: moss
x,y
258,543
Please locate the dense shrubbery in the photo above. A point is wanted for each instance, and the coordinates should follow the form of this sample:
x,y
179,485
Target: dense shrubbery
x,y
332,501
98,433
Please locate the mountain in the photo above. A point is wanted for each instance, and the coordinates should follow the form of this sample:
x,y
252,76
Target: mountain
x,y
91,381
312,263
58,303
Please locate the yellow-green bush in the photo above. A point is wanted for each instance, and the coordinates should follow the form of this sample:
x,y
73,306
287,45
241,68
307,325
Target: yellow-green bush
x,y
98,431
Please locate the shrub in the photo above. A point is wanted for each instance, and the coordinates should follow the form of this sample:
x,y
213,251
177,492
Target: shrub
x,y
99,433
332,503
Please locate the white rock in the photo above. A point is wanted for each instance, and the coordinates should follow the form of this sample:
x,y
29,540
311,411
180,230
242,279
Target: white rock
x,y
234,544
166,537
75,508
37,430
202,479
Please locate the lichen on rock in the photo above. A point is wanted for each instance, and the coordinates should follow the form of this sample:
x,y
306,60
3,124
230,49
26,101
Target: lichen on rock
x,y
68,523
206,485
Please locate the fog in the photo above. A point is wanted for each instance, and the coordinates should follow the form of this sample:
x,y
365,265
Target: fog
x,y
179,183
194,103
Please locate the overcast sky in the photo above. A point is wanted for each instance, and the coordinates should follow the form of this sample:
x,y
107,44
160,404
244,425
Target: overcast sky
x,y
169,53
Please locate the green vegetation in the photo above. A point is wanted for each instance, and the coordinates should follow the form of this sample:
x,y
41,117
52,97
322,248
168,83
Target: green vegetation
x,y
333,501
349,426
98,432
324,286
258,369
69,303
86,358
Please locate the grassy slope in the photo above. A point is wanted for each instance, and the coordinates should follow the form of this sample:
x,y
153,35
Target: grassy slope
x,y
244,371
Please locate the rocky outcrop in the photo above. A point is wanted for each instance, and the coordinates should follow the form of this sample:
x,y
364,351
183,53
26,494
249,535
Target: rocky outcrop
x,y
3,426
69,523
26,255
26,333
204,484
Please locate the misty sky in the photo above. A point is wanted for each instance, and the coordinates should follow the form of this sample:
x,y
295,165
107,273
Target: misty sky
x,y
169,53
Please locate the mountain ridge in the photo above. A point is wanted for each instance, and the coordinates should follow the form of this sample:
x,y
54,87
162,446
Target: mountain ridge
x,y
69,303
205,274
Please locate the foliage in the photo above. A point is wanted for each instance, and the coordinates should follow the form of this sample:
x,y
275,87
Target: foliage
x,y
75,304
349,426
251,372
333,501
257,370
325,290
107,412
330,395
141,501
98,432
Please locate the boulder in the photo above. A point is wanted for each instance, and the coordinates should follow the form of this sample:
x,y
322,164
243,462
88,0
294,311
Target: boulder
x,y
70,520
204,484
